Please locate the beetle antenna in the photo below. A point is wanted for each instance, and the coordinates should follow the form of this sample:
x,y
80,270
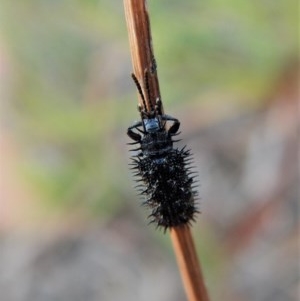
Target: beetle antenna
x,y
139,89
147,86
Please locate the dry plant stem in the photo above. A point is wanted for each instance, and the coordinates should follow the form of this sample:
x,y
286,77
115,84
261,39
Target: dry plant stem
x,y
143,58
188,263
140,43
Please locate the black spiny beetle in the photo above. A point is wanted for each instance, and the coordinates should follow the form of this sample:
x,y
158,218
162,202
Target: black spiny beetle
x,y
162,170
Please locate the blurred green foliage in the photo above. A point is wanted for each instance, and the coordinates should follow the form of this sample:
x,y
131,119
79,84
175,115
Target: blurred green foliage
x,y
71,99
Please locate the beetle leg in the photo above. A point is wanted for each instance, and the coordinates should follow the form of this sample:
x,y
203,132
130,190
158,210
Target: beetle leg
x,y
134,136
174,127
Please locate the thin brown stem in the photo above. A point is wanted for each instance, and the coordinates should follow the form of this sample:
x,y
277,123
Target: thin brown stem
x,y
188,263
142,55
141,49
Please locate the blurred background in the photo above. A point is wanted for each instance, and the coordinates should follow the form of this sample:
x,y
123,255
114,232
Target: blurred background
x,y
71,224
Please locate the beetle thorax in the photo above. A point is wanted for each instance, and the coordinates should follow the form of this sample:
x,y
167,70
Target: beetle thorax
x,y
156,144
